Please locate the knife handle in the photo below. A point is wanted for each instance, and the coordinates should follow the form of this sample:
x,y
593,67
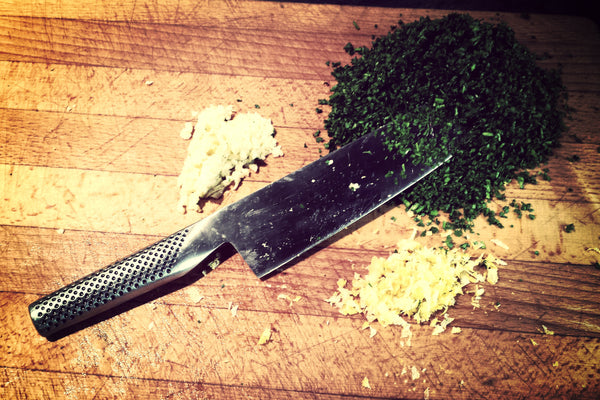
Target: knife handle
x,y
111,286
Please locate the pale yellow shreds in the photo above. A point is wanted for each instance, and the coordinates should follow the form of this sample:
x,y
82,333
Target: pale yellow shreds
x,y
187,131
499,243
476,299
439,327
234,310
194,294
372,331
414,373
594,252
283,296
365,383
414,282
594,249
455,330
546,331
533,342
426,394
265,337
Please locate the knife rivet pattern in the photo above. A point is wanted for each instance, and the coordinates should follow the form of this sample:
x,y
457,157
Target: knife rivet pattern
x,y
111,283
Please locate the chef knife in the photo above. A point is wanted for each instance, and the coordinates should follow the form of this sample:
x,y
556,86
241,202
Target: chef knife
x,y
269,228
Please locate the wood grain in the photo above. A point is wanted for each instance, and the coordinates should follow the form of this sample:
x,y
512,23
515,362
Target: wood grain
x,y
92,99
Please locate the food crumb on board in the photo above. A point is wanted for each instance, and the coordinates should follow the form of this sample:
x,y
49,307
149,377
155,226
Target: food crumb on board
x,y
499,243
265,337
187,131
232,308
440,326
60,231
414,373
365,383
546,331
283,296
194,294
149,83
372,331
223,150
426,394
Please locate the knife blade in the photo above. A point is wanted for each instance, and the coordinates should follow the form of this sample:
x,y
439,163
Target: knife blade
x,y
269,228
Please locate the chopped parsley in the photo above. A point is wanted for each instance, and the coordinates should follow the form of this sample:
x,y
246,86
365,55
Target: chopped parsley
x,y
454,85
569,228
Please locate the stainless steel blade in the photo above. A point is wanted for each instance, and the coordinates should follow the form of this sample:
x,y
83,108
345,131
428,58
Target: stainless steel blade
x,y
278,223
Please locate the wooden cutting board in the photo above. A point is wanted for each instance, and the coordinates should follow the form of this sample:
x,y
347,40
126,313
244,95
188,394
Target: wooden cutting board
x,y
92,99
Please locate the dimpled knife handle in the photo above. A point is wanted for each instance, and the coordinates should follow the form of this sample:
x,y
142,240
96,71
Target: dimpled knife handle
x,y
108,287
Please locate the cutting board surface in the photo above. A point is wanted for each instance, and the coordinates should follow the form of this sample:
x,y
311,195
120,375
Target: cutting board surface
x,y
92,99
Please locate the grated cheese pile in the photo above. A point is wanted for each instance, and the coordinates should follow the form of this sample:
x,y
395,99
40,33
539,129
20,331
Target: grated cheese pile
x,y
414,282
223,150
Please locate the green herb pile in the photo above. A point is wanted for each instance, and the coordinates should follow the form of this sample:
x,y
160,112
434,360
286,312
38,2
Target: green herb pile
x,y
451,85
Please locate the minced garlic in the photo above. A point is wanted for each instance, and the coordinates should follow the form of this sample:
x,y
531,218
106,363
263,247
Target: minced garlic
x,y
415,282
222,150
265,337
365,383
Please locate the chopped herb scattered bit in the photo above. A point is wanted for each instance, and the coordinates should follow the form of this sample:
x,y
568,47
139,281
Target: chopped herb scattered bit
x,y
544,174
356,25
256,106
596,264
570,228
537,253
459,86
318,110
239,100
573,158
449,242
